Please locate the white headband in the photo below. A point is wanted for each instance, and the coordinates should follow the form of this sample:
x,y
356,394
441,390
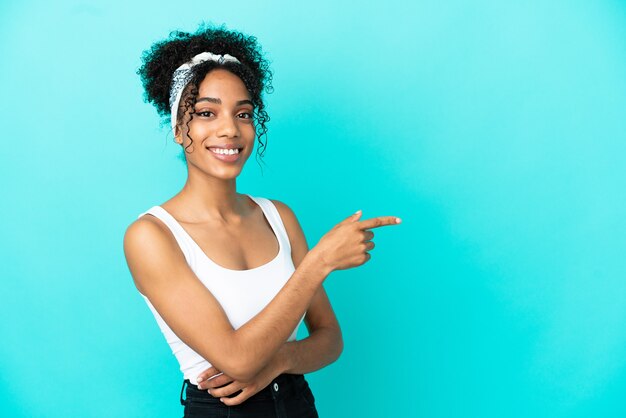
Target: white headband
x,y
183,74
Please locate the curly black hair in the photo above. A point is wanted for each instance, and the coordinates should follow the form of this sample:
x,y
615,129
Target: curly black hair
x,y
165,56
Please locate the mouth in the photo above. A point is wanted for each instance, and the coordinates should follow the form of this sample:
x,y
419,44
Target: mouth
x,y
226,154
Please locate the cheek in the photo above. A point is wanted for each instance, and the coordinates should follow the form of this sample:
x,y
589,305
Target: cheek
x,y
198,131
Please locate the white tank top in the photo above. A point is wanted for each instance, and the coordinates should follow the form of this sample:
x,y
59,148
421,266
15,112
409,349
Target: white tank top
x,y
242,293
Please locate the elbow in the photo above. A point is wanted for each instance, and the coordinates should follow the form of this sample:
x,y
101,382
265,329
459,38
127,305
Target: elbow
x,y
239,363
335,346
340,349
338,346
233,367
245,376
232,358
242,371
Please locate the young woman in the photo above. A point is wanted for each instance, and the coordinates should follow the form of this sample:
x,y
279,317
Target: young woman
x,y
228,276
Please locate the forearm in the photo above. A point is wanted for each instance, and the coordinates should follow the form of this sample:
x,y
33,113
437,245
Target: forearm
x,y
321,348
258,341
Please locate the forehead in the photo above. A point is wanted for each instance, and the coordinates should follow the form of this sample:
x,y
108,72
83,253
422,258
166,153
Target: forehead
x,y
223,84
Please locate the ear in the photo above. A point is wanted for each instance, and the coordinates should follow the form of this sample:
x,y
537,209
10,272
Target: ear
x,y
177,136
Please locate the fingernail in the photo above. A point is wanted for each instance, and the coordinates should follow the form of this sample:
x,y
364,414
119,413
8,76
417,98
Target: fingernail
x,y
199,379
398,220
357,211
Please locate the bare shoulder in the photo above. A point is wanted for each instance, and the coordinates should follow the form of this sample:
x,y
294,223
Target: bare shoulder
x,y
297,239
144,230
146,242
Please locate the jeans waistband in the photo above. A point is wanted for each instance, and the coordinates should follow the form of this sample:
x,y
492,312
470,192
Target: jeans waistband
x,y
285,384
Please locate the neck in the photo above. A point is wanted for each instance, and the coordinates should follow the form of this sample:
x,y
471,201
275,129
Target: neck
x,y
210,197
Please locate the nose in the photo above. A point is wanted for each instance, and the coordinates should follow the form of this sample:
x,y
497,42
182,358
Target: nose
x,y
228,128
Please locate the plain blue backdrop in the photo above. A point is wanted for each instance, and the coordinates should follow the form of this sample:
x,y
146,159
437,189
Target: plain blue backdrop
x,y
496,130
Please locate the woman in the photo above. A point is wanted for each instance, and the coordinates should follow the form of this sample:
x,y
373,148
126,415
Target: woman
x,y
200,259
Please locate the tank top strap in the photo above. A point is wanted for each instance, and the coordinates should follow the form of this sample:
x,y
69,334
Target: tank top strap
x,y
182,238
273,216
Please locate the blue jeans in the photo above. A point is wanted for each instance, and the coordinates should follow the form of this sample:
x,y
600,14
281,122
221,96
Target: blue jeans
x,y
287,396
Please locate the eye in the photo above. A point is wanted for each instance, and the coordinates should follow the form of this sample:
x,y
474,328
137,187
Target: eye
x,y
247,113
204,113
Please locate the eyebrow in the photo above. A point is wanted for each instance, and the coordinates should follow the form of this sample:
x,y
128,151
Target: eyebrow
x,y
219,101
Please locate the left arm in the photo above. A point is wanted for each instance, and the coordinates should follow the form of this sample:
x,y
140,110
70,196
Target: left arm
x,y
323,345
321,348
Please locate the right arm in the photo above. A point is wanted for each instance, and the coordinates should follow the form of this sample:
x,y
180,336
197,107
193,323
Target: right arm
x,y
161,273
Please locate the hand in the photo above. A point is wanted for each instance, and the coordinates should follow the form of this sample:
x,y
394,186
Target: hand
x,y
258,383
346,245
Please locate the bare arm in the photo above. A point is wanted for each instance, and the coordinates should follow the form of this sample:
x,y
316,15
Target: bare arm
x,y
161,273
324,343
322,347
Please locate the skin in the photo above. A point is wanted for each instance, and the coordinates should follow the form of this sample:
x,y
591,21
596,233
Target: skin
x,y
233,232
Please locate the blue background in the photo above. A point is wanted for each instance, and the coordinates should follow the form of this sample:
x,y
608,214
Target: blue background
x,y
496,130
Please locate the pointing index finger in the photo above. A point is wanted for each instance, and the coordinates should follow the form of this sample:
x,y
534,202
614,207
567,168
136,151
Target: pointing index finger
x,y
379,221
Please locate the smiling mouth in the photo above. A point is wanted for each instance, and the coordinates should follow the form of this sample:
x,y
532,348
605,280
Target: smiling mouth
x,y
227,155
225,151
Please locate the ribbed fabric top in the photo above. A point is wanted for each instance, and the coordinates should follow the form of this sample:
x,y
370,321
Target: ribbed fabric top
x,y
242,293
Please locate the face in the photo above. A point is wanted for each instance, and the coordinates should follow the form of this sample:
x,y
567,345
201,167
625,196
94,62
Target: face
x,y
222,124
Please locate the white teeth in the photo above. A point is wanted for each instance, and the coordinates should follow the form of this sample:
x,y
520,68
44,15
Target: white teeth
x,y
225,151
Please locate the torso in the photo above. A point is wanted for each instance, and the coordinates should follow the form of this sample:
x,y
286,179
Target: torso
x,y
247,245
241,289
